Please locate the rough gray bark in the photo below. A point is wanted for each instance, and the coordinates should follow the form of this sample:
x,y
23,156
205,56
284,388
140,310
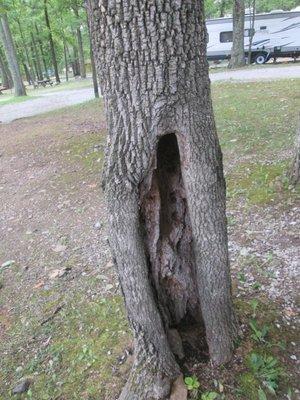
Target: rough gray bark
x,y
11,55
52,49
164,185
5,73
80,45
295,169
237,52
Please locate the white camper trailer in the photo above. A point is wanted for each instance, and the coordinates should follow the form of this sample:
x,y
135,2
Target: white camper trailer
x,y
276,34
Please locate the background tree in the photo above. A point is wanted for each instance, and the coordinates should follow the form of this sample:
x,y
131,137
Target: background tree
x,y
164,186
75,7
252,8
237,52
52,48
11,55
5,72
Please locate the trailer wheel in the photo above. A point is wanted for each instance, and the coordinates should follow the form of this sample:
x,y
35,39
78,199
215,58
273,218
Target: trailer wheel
x,y
260,58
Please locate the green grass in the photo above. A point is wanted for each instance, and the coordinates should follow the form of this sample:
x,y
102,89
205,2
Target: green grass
x,y
257,122
80,362
10,99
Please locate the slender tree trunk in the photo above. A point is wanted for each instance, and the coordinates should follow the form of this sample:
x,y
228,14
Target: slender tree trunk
x,y
222,8
27,73
75,63
237,52
80,45
5,73
164,186
37,58
30,73
52,49
42,51
252,5
11,56
65,56
93,65
295,170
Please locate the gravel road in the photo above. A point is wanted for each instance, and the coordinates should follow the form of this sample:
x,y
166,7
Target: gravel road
x,y
43,103
257,74
54,100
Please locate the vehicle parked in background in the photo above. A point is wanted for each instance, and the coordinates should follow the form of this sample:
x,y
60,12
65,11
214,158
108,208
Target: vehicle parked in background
x,y
276,34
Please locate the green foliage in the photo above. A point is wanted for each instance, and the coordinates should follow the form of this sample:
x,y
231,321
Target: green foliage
x,y
248,386
192,383
254,304
259,334
209,395
266,369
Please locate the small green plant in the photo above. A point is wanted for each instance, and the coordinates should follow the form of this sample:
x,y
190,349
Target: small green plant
x,y
259,334
267,370
192,383
241,277
209,395
254,304
256,286
261,394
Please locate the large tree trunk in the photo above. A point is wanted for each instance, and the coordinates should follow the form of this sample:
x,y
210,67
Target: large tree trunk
x,y
11,56
237,52
295,170
80,45
5,73
52,49
164,186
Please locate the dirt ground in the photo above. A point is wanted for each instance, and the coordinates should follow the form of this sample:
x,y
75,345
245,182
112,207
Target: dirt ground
x,y
56,262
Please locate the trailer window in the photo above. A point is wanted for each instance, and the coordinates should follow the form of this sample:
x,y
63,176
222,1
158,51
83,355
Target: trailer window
x,y
226,37
249,32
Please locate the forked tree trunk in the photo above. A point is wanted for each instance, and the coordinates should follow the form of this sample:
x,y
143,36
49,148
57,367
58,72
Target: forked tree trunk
x,y
164,186
237,52
295,170
11,55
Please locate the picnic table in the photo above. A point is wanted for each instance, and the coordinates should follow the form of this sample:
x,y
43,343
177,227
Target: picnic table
x,y
44,83
2,88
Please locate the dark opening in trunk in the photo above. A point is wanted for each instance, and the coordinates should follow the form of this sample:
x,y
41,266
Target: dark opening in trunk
x,y
169,246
